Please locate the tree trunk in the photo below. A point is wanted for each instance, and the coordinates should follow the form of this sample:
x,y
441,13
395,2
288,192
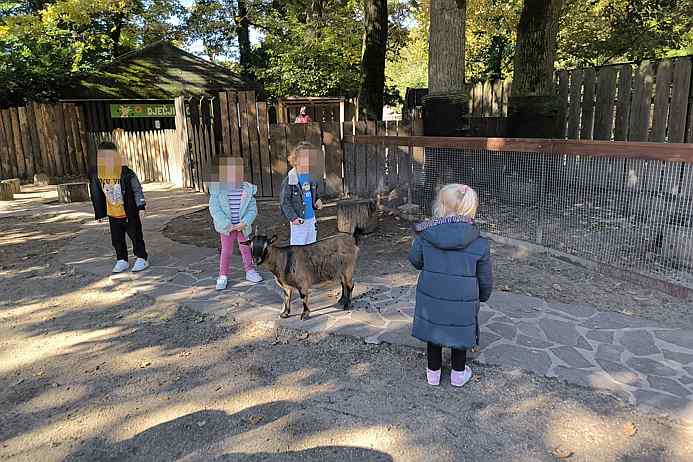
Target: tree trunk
x,y
373,60
356,213
6,193
446,47
243,30
446,103
535,51
73,192
533,106
116,32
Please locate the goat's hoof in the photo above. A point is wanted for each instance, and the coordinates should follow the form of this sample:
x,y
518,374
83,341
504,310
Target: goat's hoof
x,y
345,305
305,315
284,314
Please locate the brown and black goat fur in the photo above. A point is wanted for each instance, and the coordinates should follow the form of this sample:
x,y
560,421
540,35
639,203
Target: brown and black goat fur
x,y
301,267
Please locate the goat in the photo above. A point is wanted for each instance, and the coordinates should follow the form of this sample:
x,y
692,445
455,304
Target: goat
x,y
301,267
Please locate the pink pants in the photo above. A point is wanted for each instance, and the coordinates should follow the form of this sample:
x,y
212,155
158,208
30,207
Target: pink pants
x,y
227,248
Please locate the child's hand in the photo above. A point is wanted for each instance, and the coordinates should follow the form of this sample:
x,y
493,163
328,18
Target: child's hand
x,y
297,221
318,204
100,220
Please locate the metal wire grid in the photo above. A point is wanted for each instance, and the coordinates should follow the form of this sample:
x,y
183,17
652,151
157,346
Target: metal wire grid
x,y
632,214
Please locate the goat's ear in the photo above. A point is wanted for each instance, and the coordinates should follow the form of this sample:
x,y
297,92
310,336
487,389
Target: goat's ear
x,y
273,240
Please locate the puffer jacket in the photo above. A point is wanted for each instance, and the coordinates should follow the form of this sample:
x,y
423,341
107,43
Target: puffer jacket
x,y
291,197
456,275
220,209
133,196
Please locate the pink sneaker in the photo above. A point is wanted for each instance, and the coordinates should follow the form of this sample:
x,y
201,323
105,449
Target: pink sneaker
x,y
433,377
460,378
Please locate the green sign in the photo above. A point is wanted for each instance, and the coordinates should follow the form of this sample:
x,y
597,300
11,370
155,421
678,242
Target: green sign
x,y
119,111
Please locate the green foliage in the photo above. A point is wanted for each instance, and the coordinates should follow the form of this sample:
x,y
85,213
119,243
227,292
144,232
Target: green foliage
x,y
598,32
44,44
408,67
316,55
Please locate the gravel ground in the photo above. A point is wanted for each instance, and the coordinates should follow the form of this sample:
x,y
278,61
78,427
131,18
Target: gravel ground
x,y
384,253
92,371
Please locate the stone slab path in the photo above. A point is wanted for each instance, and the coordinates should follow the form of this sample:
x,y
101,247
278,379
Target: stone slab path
x,y
645,364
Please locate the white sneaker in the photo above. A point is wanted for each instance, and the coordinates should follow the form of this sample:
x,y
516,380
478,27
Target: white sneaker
x,y
120,266
140,265
221,282
460,378
253,276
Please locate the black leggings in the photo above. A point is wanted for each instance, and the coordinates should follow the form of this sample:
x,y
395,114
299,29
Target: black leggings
x,y
435,358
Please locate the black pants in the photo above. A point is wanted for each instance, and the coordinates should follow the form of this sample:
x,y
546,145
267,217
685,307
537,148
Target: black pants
x,y
133,228
435,358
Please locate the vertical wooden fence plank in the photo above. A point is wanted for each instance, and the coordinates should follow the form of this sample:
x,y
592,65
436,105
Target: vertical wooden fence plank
x,y
380,152
61,139
81,140
361,162
403,162
371,161
208,130
9,138
563,89
679,100
575,104
587,119
642,102
245,140
234,127
477,99
278,153
604,110
623,102
333,159
487,104
27,147
70,157
34,137
497,98
5,165
253,138
43,139
507,92
225,129
349,160
660,117
263,126
18,147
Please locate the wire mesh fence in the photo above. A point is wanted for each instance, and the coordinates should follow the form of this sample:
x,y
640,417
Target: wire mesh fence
x,y
631,213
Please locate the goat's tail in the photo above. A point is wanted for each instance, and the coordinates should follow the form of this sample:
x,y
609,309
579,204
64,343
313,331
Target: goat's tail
x,y
358,232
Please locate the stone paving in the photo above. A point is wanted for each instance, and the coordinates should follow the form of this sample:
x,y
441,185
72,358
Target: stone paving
x,y
645,364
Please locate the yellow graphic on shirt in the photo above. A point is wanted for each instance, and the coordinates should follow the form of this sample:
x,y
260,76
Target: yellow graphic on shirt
x,y
109,176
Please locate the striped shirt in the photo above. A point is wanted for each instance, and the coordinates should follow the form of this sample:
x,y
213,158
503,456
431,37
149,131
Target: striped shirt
x,y
235,204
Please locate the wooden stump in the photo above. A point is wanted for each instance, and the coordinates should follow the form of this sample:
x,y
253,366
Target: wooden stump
x,y
356,213
41,179
14,185
73,192
6,193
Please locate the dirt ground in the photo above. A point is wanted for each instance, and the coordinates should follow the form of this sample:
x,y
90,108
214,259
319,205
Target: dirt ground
x,y
91,371
385,252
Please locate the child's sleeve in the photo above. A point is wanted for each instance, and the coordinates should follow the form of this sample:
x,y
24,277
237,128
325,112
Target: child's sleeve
x,y
285,201
220,221
251,211
416,254
484,274
137,192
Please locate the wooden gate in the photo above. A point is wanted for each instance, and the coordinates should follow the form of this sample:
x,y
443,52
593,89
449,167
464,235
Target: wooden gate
x,y
235,124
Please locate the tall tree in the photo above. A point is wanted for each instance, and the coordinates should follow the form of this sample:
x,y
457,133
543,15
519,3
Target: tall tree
x,y
244,49
373,61
446,103
535,52
533,105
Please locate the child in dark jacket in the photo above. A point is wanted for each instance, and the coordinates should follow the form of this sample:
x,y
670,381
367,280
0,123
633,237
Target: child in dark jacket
x,y
455,264
116,193
299,198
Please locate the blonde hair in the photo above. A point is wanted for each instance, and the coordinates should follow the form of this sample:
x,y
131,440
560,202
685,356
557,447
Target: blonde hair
x,y
302,146
456,199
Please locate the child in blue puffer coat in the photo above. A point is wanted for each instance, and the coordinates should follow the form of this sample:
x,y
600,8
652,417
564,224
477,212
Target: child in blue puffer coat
x,y
456,275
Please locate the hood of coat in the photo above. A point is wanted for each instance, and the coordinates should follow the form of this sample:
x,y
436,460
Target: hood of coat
x,y
449,233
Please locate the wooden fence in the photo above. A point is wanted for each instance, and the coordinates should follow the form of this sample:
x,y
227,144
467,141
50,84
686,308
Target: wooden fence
x,y
652,101
43,138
